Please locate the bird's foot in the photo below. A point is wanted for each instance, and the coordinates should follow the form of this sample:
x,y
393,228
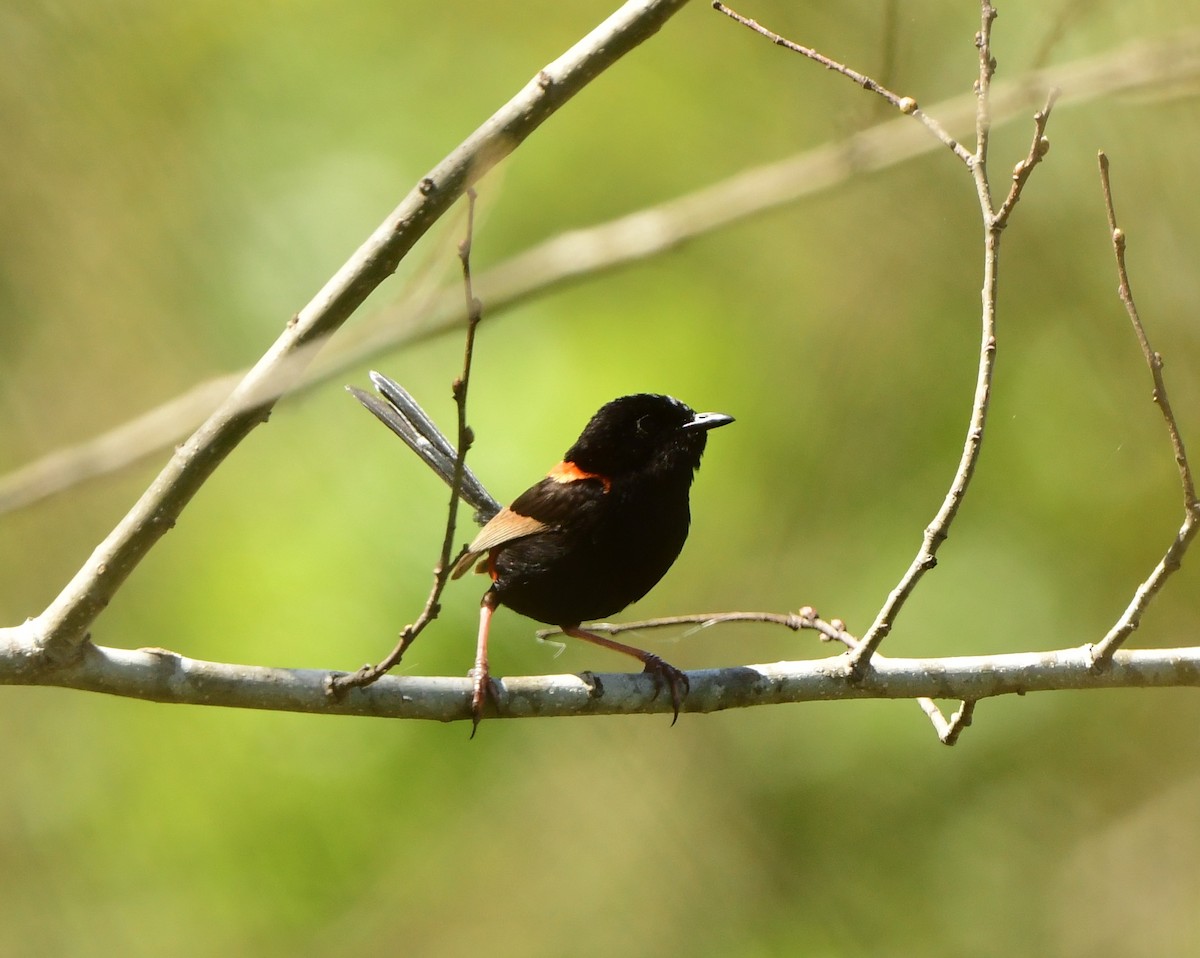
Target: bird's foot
x,y
666,674
483,687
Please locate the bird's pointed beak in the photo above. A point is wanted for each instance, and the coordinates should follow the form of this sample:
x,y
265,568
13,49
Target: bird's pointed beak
x,y
705,421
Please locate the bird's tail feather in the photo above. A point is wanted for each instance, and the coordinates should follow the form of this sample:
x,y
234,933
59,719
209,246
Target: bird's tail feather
x,y
402,415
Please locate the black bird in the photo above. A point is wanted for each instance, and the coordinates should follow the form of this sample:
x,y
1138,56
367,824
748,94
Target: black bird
x,y
593,536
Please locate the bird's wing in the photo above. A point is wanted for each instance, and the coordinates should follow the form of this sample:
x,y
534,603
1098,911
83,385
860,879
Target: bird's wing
x,y
554,499
504,526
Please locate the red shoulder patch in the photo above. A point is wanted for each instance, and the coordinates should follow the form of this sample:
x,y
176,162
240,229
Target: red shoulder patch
x,y
567,471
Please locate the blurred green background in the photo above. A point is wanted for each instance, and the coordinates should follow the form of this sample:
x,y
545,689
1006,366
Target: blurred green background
x,y
177,180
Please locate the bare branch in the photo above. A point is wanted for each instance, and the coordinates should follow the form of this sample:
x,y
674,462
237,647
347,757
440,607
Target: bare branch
x,y
1132,616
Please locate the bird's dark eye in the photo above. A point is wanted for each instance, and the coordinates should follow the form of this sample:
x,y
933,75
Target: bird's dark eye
x,y
643,426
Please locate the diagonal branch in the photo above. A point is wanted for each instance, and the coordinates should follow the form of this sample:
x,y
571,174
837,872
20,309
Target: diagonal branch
x,y
62,627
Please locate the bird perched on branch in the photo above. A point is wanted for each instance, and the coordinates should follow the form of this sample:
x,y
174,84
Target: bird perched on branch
x,y
596,534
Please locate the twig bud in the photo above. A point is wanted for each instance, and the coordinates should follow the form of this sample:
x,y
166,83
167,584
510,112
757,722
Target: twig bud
x,y
907,105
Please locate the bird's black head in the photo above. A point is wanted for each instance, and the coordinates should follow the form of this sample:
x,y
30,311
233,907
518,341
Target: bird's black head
x,y
644,432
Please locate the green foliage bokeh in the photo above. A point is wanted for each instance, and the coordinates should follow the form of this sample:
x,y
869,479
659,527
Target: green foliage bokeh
x,y
178,180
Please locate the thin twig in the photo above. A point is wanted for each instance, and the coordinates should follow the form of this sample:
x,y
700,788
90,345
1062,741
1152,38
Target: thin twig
x,y
1037,151
983,86
905,104
804,618
339,683
1131,618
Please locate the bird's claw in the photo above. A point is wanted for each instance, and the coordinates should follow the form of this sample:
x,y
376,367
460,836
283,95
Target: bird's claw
x,y
483,687
666,674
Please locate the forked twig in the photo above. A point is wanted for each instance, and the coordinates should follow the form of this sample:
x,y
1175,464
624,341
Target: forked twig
x,y
339,683
1131,618
994,220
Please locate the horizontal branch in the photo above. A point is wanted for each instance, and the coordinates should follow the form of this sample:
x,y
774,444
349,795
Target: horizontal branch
x,y
161,676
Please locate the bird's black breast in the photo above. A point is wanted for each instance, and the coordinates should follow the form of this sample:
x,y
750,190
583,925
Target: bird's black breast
x,y
609,552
